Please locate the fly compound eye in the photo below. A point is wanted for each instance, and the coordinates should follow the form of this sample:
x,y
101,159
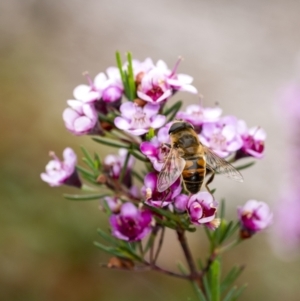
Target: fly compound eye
x,y
176,126
189,125
179,126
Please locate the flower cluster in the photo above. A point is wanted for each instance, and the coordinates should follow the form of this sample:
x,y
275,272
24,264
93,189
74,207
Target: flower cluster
x,y
141,115
128,108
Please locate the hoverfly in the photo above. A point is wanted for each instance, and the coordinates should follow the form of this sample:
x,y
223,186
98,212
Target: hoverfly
x,y
189,158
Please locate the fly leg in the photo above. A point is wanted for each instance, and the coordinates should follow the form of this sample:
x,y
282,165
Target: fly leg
x,y
209,181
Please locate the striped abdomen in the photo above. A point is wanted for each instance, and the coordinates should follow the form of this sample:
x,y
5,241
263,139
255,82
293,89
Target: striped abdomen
x,y
194,173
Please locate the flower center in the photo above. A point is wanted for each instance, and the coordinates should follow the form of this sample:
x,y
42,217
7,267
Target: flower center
x,y
155,93
140,119
218,141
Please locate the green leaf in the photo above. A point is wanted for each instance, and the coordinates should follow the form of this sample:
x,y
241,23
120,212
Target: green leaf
x,y
84,197
110,142
198,291
182,268
191,229
225,233
231,277
200,264
245,166
212,191
129,253
107,118
163,212
173,108
107,237
239,292
138,155
88,159
122,73
207,287
233,229
209,234
110,250
215,280
131,83
85,172
107,208
230,294
97,162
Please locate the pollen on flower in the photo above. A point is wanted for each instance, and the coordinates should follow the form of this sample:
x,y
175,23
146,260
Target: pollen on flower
x,y
197,205
148,193
214,224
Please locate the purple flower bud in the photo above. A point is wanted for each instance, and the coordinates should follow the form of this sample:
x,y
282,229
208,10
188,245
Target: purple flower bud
x,y
254,216
131,224
159,199
180,202
138,120
81,118
62,172
202,209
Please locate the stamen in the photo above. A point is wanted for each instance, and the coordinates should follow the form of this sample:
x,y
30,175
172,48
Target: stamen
x,y
90,81
180,58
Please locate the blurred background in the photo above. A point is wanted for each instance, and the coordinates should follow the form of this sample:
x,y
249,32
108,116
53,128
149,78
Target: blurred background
x,y
240,53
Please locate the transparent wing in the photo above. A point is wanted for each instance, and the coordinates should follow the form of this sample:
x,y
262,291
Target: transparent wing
x,y
219,165
170,171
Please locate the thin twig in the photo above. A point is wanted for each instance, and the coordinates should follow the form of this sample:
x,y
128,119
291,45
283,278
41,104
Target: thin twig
x,y
149,267
187,252
159,244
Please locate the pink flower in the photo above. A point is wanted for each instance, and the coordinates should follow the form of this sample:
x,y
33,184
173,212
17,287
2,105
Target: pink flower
x,y
114,164
159,83
156,149
138,120
198,115
131,224
178,82
140,68
222,136
253,140
114,203
153,87
107,88
62,172
159,199
110,85
81,118
202,210
86,94
254,216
